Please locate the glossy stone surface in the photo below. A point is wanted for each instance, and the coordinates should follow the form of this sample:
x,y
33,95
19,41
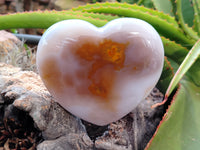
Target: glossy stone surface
x,y
100,74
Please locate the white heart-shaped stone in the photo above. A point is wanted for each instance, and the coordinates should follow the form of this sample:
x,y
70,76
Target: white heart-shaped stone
x,y
100,74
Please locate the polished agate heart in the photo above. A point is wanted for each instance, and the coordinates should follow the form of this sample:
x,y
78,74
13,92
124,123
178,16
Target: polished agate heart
x,y
100,74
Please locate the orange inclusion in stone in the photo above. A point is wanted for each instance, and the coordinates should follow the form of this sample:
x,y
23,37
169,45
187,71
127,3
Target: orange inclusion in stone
x,y
106,58
51,74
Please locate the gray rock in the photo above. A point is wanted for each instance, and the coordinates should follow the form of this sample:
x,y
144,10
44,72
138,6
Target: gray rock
x,y
29,94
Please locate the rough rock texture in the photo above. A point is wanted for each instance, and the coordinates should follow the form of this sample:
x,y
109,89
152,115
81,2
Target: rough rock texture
x,y
57,125
8,43
61,130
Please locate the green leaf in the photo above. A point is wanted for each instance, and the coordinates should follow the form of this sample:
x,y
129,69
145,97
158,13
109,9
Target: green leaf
x,y
176,54
196,6
180,127
129,1
147,3
174,51
184,67
166,27
185,16
161,15
188,12
174,8
194,72
166,76
44,19
163,5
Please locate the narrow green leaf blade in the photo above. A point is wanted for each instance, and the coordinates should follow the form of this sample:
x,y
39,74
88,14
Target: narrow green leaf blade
x,y
184,67
176,53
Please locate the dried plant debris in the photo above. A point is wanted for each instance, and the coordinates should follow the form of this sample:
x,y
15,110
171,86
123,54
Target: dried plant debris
x,y
17,130
28,113
15,52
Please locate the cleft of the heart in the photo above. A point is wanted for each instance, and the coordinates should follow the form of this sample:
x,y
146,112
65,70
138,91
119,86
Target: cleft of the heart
x,y
100,74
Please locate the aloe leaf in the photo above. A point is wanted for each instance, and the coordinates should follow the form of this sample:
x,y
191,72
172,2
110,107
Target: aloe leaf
x,y
187,11
180,127
128,1
176,54
147,3
155,13
174,8
194,72
196,6
164,6
185,15
140,2
184,67
164,24
165,28
166,76
174,51
44,19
